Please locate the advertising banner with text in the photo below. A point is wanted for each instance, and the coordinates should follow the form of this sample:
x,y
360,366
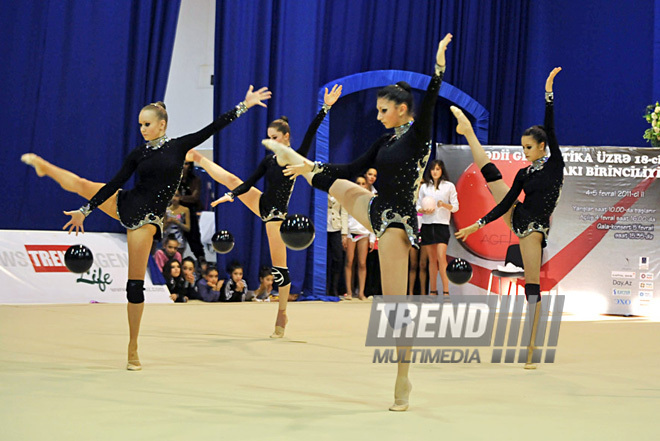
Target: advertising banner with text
x,y
32,269
603,251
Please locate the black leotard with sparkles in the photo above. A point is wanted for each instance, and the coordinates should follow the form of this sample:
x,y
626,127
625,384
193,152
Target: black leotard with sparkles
x,y
400,160
158,170
542,182
274,202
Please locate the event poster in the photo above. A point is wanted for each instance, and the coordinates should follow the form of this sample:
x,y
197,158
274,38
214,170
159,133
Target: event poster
x,y
32,269
602,250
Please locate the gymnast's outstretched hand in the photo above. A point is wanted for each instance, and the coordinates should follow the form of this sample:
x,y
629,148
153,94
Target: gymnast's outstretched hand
x,y
442,47
463,233
255,98
226,198
76,222
551,79
331,97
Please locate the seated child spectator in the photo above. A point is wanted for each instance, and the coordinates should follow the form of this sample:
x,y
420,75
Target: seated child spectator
x,y
235,288
209,287
169,252
265,290
175,282
188,270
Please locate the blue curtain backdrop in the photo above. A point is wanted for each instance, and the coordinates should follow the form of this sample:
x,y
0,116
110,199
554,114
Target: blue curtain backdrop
x,y
501,55
75,75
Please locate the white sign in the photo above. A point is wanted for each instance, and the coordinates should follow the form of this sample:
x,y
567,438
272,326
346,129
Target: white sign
x,y
32,269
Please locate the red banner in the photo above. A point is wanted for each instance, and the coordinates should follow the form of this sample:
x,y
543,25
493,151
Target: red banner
x,y
47,258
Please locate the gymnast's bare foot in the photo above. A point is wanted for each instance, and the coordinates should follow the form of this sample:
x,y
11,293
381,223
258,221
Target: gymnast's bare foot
x,y
280,324
285,155
402,389
194,156
133,358
464,126
35,161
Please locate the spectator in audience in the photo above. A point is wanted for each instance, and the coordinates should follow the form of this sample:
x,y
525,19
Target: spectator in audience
x,y
177,221
335,248
371,175
373,264
190,189
265,290
357,240
437,188
209,287
188,270
174,281
168,252
235,287
419,263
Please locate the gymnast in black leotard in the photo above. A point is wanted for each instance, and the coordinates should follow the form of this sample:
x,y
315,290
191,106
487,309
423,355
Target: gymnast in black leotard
x,y
541,181
158,165
272,205
400,159
274,202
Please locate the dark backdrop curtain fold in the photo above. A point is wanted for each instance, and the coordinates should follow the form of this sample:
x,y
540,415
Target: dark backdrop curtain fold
x,y
75,75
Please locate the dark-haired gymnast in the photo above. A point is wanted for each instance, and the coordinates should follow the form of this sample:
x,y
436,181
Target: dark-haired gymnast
x,y
542,181
400,159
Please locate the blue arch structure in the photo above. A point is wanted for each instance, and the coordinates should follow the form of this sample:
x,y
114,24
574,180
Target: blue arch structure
x,y
368,80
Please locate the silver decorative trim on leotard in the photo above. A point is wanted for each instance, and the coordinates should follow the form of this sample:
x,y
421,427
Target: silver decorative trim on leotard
x,y
326,108
532,228
439,69
148,219
402,129
274,214
421,165
396,219
538,164
389,216
157,143
85,210
241,108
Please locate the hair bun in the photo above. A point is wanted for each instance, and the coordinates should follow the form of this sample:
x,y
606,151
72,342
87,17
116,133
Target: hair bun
x,y
161,104
285,119
405,86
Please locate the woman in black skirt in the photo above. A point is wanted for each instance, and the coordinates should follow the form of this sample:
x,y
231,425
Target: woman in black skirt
x,y
437,188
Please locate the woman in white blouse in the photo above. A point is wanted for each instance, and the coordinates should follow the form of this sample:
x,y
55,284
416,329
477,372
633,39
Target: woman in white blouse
x,y
437,189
